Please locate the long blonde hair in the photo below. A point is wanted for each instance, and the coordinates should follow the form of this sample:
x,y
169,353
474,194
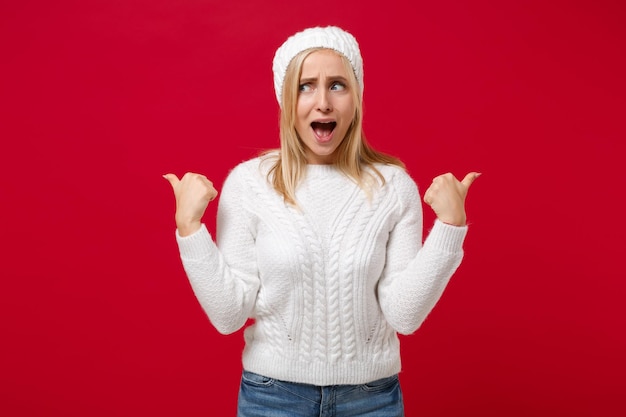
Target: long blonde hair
x,y
354,154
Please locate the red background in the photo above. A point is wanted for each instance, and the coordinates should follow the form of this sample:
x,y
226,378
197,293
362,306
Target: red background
x,y
99,98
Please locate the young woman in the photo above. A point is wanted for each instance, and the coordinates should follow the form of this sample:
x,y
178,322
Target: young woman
x,y
320,242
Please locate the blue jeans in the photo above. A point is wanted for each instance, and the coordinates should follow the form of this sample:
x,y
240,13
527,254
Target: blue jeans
x,y
260,396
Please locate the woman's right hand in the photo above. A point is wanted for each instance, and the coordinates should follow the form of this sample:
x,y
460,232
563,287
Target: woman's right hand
x,y
193,193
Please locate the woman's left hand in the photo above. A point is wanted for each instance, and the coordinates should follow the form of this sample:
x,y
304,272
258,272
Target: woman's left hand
x,y
446,196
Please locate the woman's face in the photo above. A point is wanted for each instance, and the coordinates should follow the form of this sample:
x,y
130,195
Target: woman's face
x,y
325,106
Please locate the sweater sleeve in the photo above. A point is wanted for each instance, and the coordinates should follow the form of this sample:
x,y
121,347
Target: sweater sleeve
x,y
224,276
416,275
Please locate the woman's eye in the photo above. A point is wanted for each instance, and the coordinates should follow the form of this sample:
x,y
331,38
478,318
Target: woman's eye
x,y
305,87
337,86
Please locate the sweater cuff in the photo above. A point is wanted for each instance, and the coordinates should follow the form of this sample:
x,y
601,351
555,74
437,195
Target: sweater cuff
x,y
446,237
196,245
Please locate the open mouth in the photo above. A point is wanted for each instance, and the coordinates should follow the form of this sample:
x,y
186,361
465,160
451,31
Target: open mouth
x,y
323,129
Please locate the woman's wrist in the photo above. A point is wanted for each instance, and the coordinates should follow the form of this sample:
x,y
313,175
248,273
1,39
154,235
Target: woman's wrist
x,y
189,228
458,221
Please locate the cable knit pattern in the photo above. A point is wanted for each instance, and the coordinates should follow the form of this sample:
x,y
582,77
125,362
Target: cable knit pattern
x,y
328,285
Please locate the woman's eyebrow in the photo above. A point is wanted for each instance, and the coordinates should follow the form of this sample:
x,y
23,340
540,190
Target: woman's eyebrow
x,y
338,78
331,78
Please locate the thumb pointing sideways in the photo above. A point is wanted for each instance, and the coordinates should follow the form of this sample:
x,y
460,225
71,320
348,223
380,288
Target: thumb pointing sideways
x,y
173,179
470,178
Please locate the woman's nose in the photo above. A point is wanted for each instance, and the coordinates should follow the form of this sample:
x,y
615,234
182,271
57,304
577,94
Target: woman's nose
x,y
323,101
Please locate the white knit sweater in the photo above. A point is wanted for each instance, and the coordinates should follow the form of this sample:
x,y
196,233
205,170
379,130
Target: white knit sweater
x,y
330,286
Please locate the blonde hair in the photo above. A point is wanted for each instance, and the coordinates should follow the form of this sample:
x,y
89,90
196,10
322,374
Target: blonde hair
x,y
354,154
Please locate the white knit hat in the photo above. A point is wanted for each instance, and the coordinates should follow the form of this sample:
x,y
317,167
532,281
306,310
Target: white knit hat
x,y
330,37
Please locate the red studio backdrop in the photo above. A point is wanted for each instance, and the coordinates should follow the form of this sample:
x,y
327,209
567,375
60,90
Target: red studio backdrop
x,y
100,98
